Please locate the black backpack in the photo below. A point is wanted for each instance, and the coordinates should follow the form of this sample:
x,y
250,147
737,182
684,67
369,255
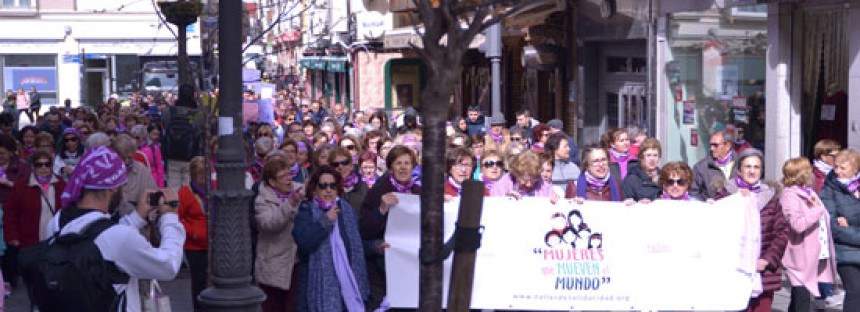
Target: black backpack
x,y
67,273
181,140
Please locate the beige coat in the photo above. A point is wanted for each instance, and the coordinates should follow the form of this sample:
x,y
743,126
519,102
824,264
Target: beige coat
x,y
276,249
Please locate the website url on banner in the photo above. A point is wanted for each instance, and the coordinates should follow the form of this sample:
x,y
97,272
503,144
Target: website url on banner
x,y
573,298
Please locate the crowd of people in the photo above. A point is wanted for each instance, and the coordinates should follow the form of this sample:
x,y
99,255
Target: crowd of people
x,y
325,179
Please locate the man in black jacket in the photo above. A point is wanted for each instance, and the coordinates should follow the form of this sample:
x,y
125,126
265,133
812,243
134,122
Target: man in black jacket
x,y
35,104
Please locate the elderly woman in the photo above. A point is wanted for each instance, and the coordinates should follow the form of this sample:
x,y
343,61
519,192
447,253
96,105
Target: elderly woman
x,y
540,133
595,182
524,179
841,197
194,216
304,154
675,179
333,273
511,151
374,215
825,158
564,169
809,257
774,228
26,214
275,210
492,168
367,169
69,152
460,165
353,145
27,137
617,142
354,191
139,177
641,183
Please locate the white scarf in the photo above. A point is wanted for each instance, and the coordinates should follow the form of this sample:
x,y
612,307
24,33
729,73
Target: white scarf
x,y
822,166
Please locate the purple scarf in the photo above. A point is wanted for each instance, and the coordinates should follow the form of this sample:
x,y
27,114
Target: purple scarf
x,y
595,183
350,180
621,160
3,173
401,188
725,160
352,298
488,184
197,189
43,180
498,138
752,187
294,170
805,189
30,150
669,197
853,184
369,181
522,191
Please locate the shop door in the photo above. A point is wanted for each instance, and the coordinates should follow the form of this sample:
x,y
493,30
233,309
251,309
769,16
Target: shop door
x,y
96,92
623,101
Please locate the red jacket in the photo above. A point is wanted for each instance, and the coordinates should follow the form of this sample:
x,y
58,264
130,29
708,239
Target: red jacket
x,y
193,219
450,190
819,179
22,211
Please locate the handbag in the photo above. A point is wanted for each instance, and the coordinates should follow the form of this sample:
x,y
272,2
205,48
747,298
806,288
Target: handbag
x,y
156,300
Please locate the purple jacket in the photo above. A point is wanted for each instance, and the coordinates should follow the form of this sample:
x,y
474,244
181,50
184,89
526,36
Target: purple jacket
x,y
505,184
801,262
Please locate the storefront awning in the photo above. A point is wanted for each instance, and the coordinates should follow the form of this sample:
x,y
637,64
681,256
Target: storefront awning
x,y
329,63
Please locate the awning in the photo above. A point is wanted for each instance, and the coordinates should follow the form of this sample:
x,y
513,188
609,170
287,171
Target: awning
x,y
329,63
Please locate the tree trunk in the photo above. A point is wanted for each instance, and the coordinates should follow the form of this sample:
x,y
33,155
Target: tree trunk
x,y
435,100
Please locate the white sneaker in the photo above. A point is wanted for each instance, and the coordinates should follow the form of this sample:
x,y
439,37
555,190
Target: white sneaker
x,y
835,300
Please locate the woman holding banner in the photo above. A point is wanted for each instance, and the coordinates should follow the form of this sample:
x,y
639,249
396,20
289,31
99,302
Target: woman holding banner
x,y
809,257
774,227
675,177
460,164
841,197
641,183
401,161
595,182
492,168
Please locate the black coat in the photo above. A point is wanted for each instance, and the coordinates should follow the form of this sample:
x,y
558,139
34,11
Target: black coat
x,y
638,185
842,203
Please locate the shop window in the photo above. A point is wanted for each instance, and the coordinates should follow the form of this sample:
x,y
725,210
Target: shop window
x,y
628,65
716,80
18,5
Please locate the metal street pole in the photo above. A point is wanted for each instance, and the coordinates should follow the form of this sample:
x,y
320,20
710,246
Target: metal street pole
x,y
494,53
182,13
230,240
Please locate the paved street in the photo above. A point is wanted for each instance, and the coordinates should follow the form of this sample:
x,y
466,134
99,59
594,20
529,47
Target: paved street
x,y
180,297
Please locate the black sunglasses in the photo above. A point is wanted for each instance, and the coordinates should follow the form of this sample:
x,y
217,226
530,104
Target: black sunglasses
x,y
494,163
45,164
678,182
341,163
349,147
323,186
70,139
516,139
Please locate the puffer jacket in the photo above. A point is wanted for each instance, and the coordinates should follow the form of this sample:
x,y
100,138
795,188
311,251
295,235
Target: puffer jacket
x,y
276,248
774,230
841,203
638,185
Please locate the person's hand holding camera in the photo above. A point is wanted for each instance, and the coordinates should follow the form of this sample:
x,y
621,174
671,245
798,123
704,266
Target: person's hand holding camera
x,y
169,201
164,201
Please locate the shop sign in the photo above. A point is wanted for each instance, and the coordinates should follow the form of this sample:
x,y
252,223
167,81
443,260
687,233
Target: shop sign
x,y
372,25
402,41
43,78
337,66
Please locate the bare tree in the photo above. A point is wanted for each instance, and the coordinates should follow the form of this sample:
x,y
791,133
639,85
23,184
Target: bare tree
x,y
458,22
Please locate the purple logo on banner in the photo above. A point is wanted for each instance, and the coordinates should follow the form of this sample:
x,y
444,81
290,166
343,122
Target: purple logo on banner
x,y
43,78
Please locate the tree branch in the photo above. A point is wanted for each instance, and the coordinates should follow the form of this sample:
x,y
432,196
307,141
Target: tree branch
x,y
276,22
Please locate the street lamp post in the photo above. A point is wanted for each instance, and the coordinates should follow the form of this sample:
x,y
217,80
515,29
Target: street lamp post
x,y
182,13
230,240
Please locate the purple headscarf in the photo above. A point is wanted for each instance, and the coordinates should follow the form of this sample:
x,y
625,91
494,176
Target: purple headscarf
x,y
99,169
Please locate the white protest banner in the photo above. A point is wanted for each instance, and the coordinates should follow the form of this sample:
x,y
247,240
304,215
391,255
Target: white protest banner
x,y
667,255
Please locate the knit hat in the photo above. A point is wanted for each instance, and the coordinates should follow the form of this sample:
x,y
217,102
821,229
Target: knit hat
x,y
555,124
748,152
99,169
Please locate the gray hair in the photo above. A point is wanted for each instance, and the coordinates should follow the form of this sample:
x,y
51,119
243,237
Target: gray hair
x,y
139,132
97,139
749,152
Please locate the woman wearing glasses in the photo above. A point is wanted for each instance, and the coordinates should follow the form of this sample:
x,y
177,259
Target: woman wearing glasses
x,y
595,182
675,179
774,227
354,191
825,158
401,161
353,145
69,152
460,165
333,274
524,179
28,212
492,168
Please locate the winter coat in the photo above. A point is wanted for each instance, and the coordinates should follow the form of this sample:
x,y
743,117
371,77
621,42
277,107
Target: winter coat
x,y
193,219
356,195
156,164
638,184
801,262
707,176
453,191
774,229
276,248
22,101
841,203
22,217
14,171
139,181
564,171
477,126
590,194
820,177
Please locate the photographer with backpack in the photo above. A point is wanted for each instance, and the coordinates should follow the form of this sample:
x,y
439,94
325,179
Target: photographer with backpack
x,y
91,262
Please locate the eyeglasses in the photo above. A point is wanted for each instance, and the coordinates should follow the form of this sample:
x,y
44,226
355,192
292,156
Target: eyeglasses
x,y
516,139
336,164
493,163
349,147
678,182
44,164
70,139
323,186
